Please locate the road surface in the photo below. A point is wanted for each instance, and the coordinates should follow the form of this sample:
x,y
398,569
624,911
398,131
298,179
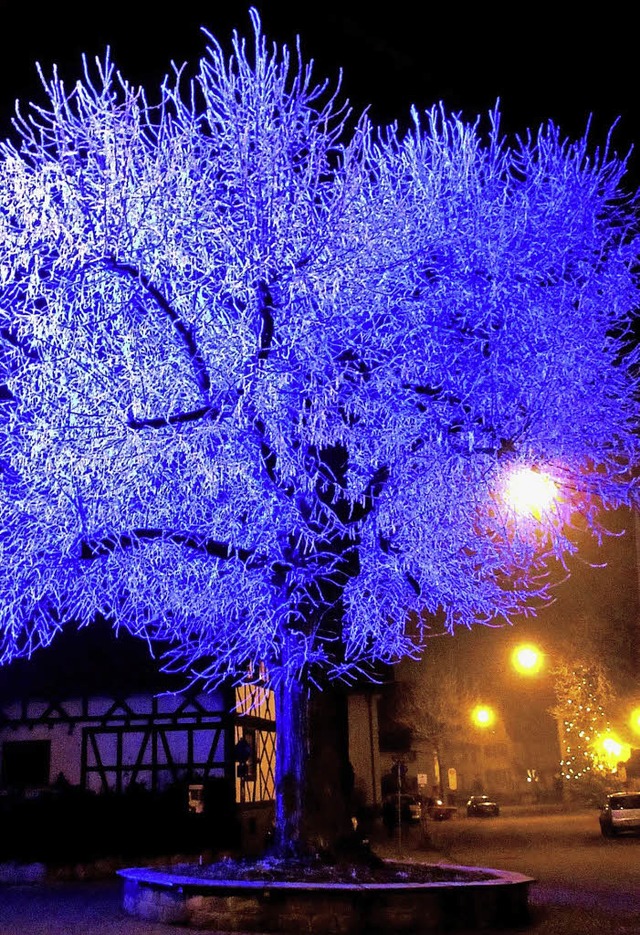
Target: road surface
x,y
585,884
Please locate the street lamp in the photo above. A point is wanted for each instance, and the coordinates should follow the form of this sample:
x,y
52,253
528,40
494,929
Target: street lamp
x,y
530,492
527,659
484,717
612,751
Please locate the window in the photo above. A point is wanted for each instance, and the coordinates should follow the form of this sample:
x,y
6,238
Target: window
x,y
25,763
625,801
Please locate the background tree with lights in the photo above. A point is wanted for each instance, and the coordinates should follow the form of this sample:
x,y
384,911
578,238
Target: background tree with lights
x,y
583,694
266,370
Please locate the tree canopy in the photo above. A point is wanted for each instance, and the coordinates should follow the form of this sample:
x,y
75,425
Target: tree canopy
x,y
266,367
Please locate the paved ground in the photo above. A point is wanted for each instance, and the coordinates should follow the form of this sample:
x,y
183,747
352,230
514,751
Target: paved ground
x,y
71,909
585,885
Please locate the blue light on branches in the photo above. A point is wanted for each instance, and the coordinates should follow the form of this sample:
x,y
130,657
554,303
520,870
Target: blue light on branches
x,y
263,376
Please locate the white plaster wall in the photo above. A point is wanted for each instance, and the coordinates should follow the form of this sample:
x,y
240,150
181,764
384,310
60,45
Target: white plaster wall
x,y
66,740
65,748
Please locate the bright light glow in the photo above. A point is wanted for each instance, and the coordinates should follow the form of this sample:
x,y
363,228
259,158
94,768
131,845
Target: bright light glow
x,y
634,720
527,659
530,492
483,716
613,751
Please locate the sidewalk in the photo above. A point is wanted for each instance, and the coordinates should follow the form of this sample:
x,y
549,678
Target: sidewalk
x,y
72,909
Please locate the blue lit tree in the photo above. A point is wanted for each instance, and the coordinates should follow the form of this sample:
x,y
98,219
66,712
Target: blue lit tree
x,y
264,377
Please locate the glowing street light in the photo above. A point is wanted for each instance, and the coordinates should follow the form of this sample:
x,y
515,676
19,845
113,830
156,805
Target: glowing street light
x,y
613,751
527,659
483,716
529,492
611,746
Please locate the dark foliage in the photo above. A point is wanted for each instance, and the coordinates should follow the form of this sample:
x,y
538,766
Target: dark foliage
x,y
74,826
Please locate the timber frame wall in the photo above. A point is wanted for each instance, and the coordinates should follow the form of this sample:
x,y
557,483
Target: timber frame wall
x,y
105,743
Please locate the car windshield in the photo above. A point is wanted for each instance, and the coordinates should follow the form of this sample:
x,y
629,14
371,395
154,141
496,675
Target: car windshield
x,y
625,801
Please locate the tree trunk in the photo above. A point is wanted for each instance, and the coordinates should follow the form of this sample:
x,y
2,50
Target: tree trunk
x,y
292,754
313,775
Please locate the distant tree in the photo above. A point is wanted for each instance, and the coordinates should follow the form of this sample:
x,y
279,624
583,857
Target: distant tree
x,y
583,696
432,704
265,376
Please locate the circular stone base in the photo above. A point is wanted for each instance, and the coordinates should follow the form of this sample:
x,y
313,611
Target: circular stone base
x,y
258,906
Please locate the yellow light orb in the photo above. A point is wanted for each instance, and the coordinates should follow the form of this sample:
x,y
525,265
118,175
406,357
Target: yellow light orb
x,y
614,750
611,746
527,659
530,493
634,720
483,716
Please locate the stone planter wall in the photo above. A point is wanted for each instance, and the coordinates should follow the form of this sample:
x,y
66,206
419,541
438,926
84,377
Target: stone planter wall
x,y
326,908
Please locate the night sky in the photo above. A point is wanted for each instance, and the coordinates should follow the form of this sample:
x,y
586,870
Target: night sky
x,y
540,63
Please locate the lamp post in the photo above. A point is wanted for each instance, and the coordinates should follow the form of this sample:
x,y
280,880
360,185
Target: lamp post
x,y
483,717
532,494
586,744
529,661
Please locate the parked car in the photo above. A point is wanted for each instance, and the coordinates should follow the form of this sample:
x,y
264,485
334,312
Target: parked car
x,y
410,809
620,813
481,806
438,811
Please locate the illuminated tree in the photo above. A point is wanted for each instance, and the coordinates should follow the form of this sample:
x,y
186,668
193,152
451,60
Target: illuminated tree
x,y
264,376
583,694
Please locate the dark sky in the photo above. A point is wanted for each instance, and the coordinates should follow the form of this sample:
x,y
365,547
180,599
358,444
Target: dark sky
x,y
538,61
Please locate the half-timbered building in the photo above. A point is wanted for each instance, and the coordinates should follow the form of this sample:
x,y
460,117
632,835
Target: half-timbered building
x,y
95,712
